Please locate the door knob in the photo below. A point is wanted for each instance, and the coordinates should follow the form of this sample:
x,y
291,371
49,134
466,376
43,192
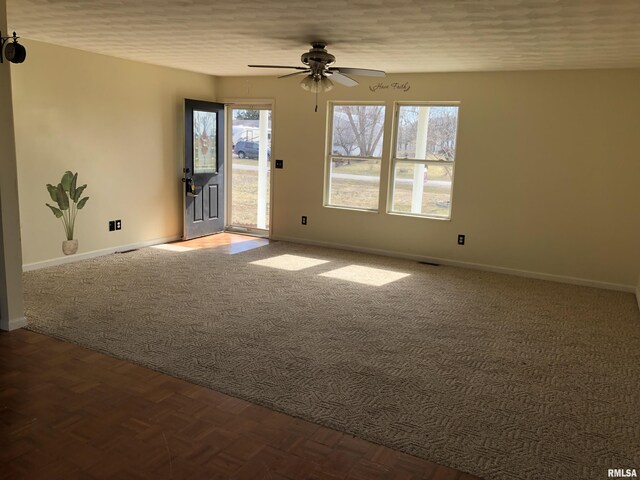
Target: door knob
x,y
190,187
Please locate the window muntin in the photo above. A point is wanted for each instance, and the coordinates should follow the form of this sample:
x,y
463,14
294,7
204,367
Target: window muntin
x,y
353,163
423,161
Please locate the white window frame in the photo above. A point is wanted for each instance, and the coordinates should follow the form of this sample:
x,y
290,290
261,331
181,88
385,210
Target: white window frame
x,y
329,155
395,159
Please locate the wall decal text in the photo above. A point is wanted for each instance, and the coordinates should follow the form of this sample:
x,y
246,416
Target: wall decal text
x,y
405,87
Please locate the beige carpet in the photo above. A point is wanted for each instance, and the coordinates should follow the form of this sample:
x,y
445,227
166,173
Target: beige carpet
x,y
500,376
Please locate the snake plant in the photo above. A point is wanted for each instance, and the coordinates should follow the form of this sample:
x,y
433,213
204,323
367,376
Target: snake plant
x,y
68,198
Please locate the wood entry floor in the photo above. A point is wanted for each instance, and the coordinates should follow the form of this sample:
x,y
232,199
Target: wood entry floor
x,y
230,243
71,413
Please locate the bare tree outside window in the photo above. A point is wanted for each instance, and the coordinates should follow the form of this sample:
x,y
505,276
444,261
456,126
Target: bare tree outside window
x,y
344,140
358,130
441,132
407,132
443,125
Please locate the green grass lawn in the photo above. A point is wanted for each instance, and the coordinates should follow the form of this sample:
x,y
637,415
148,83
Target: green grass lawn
x,y
435,200
403,169
358,194
244,199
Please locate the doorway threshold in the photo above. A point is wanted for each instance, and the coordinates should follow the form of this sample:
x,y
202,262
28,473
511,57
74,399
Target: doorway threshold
x,y
252,232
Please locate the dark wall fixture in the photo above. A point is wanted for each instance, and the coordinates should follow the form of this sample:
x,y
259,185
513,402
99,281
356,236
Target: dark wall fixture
x,y
12,51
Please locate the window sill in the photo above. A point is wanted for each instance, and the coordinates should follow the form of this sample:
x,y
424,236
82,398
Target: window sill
x,y
352,209
417,215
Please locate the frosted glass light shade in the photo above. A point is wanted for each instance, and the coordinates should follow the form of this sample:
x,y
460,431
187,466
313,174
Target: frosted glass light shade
x,y
312,85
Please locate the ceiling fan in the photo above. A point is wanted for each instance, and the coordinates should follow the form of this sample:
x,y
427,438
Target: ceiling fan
x,y
318,70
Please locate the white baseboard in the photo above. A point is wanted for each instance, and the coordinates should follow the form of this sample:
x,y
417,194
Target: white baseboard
x,y
475,266
96,253
14,324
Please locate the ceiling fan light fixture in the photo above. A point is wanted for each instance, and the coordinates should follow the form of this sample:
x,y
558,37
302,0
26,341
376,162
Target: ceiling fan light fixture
x,y
308,83
326,84
316,85
317,69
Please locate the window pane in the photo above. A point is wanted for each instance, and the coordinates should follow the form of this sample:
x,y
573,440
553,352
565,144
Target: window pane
x,y
354,183
358,130
205,156
427,132
422,189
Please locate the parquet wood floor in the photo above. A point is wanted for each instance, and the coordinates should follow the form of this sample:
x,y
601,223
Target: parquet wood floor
x,y
71,413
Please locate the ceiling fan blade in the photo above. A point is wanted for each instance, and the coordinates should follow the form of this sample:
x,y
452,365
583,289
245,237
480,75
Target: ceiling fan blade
x,y
365,72
343,79
294,73
276,66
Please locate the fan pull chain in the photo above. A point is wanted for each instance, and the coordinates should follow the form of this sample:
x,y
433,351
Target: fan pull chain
x,y
316,101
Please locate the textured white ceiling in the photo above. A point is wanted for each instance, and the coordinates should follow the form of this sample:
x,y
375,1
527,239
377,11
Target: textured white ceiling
x,y
222,37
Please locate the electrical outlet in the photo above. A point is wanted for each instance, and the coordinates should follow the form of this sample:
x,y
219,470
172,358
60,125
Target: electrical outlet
x,y
460,239
279,163
118,224
112,225
304,220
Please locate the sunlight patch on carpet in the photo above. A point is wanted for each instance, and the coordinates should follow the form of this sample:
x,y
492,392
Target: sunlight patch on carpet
x,y
365,275
289,262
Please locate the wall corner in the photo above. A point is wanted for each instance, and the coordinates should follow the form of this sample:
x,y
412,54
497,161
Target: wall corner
x,y
11,302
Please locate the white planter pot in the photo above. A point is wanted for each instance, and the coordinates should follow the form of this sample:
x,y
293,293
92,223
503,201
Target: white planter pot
x,y
69,247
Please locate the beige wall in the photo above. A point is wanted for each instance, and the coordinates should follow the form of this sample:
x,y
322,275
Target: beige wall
x,y
11,305
119,125
546,176
546,179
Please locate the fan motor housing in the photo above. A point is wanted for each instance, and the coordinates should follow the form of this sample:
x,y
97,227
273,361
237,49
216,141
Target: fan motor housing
x,y
318,54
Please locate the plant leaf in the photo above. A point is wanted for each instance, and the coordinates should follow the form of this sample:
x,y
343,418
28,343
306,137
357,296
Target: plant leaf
x,y
62,198
78,194
52,192
82,202
72,187
56,211
67,178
